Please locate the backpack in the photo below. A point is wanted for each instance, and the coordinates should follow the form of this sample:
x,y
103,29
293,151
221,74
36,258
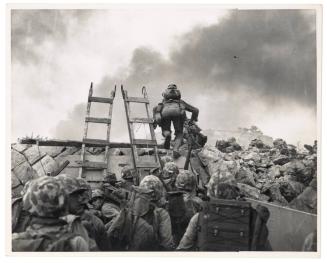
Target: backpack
x,y
229,225
44,242
172,109
135,228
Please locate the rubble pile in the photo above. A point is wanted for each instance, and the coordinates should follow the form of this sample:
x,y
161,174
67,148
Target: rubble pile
x,y
280,173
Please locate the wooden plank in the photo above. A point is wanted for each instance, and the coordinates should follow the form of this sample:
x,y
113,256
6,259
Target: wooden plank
x,y
71,143
101,100
93,165
98,120
96,142
144,142
147,165
137,100
141,120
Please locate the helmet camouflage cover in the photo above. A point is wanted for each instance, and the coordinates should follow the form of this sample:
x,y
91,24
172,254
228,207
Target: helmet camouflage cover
x,y
223,190
186,181
165,159
151,182
45,197
97,193
170,169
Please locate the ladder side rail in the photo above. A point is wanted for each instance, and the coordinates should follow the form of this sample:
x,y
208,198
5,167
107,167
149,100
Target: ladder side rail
x,y
129,125
106,155
153,136
86,126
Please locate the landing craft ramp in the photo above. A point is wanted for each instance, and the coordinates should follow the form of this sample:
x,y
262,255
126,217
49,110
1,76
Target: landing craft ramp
x,y
288,228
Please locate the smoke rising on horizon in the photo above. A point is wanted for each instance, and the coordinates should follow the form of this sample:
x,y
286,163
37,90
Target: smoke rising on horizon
x,y
253,67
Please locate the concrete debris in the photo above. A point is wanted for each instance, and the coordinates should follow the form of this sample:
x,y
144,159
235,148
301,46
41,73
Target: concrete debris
x,y
228,146
280,173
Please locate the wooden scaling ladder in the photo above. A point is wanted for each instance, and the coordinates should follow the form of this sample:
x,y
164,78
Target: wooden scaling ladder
x,y
85,164
141,167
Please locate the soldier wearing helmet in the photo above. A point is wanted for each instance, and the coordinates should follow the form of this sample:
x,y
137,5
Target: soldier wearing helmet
x,y
154,186
169,174
173,110
46,200
193,238
103,209
80,218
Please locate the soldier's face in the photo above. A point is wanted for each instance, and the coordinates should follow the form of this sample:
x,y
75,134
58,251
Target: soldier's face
x,y
76,203
97,203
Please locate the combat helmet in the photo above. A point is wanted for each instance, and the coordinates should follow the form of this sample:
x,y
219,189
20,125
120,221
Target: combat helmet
x,y
222,189
186,181
45,197
153,183
169,171
72,185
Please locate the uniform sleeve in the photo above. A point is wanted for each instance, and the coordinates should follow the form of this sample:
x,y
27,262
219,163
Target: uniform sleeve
x,y
189,239
165,232
79,244
190,108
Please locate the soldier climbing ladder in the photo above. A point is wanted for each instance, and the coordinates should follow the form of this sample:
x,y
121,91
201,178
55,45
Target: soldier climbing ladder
x,y
85,164
138,165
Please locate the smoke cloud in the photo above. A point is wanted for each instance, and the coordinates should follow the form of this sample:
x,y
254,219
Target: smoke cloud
x,y
253,67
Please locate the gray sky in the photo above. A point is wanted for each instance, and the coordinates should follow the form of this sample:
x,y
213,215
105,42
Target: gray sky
x,y
240,68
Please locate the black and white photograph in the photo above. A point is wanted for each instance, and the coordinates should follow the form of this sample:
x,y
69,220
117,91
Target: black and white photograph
x,y
164,128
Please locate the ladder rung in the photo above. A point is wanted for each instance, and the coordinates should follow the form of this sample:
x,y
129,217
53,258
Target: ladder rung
x,y
94,165
147,165
98,120
101,100
141,120
144,142
96,142
137,100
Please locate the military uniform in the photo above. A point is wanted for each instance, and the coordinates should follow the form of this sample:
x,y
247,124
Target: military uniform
x,y
46,200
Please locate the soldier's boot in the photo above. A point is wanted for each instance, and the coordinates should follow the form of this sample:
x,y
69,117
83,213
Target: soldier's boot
x,y
167,135
178,143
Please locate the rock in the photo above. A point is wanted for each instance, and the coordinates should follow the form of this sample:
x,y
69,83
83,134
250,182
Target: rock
x,y
228,146
251,156
272,190
298,171
24,172
16,158
210,154
245,176
95,150
274,172
306,201
281,160
251,192
290,189
280,144
258,143
45,165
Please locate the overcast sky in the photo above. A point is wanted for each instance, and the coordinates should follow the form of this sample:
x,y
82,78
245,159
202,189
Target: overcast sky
x,y
240,68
